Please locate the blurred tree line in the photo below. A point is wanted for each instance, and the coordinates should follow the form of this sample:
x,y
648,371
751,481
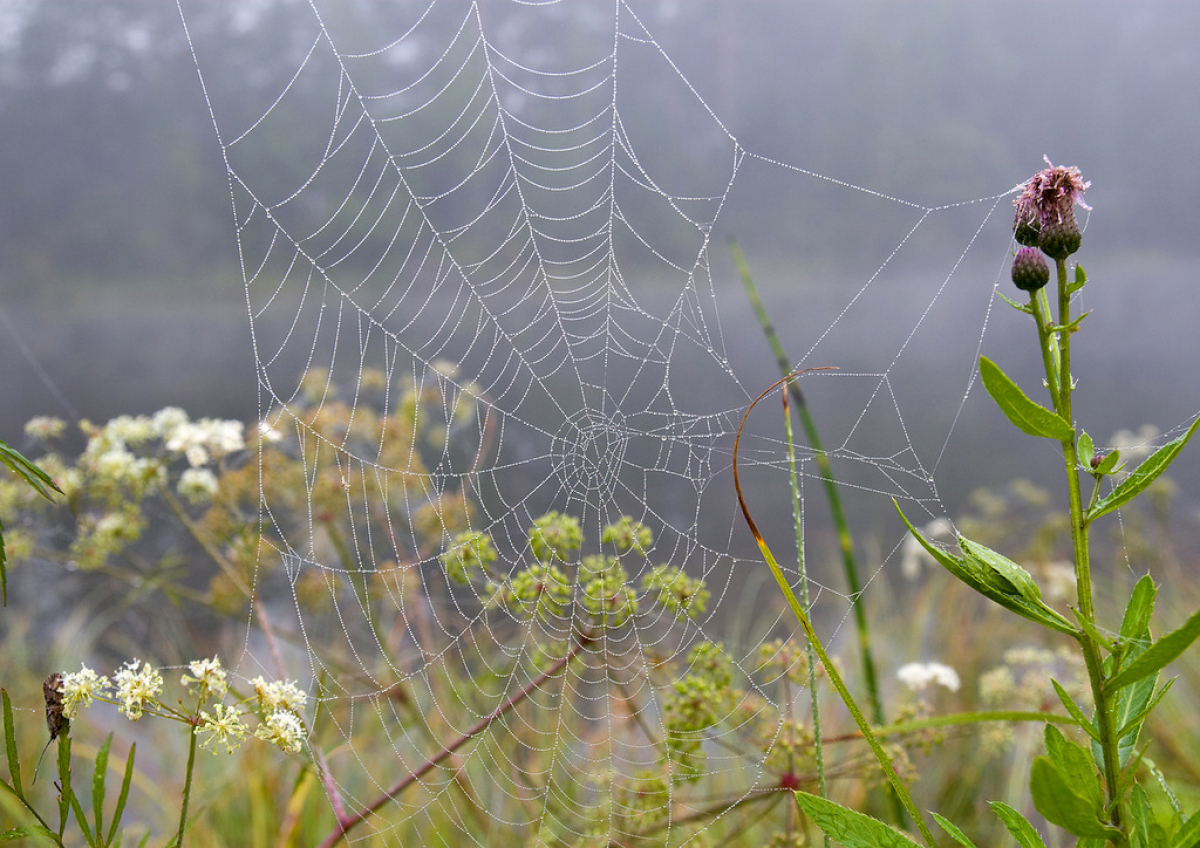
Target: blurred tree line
x,y
109,167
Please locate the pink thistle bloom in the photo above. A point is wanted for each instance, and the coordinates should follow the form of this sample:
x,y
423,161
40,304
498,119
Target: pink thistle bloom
x,y
1050,195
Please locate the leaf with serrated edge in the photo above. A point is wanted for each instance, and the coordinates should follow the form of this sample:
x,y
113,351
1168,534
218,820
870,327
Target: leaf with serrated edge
x,y
1025,414
1075,765
851,828
1142,476
1058,802
1018,826
1075,710
1158,655
1135,625
952,829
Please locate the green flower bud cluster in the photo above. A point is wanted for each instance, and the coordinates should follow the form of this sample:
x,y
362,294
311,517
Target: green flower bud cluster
x,y
555,536
607,596
674,590
470,552
698,701
602,590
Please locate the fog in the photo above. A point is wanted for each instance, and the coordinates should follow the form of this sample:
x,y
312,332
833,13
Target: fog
x,y
119,278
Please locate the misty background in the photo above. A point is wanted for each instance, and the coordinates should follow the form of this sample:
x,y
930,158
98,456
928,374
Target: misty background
x,y
119,278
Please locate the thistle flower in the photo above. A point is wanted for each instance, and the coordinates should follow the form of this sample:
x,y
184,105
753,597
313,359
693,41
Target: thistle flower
x,y
1046,210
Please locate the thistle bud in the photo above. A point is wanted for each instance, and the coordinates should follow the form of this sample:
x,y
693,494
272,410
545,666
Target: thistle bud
x,y
1027,230
1029,270
1059,239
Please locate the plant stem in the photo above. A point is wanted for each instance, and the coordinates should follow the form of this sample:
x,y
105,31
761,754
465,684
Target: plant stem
x,y
582,640
885,762
177,842
825,469
1079,539
798,519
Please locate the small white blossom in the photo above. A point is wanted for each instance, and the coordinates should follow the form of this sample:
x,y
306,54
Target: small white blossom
x,y
135,688
78,688
278,695
198,485
207,678
917,676
225,727
167,420
44,427
282,728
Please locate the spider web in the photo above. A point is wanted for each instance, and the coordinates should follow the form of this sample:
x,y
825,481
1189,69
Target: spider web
x,y
485,295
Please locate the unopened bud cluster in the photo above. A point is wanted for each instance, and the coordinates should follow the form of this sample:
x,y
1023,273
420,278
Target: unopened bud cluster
x,y
1045,221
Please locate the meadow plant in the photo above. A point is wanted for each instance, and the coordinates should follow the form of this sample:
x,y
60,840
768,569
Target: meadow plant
x,y
1094,789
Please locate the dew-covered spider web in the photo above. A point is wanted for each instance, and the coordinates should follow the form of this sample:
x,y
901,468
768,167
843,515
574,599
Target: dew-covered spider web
x,y
495,295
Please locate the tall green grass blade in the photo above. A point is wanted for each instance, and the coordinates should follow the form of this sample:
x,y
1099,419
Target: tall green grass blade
x,y
828,482
851,828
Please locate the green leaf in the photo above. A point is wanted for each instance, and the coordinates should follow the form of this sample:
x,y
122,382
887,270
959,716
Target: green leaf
x,y
1080,280
1142,476
1029,417
1075,710
1144,822
1055,798
994,579
1135,626
1085,450
1018,826
1158,655
123,797
98,778
955,834
1108,465
851,828
1023,307
1075,765
66,795
1188,835
10,746
39,480
1134,722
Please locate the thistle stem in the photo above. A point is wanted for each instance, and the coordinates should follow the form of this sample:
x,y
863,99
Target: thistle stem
x,y
1079,539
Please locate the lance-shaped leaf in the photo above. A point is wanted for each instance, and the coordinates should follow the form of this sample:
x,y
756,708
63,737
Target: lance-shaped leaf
x,y
1142,476
996,577
1158,655
1030,417
1018,826
849,827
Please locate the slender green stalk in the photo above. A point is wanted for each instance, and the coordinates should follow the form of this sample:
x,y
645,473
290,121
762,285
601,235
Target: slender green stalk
x,y
856,713
177,842
798,520
1105,725
845,540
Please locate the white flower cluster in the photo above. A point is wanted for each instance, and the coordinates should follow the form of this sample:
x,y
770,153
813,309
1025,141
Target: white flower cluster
x,y
277,703
917,676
